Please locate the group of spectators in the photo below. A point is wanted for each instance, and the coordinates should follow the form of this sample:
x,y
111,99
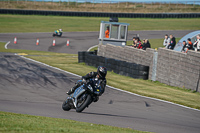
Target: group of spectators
x,y
170,42
141,45
191,46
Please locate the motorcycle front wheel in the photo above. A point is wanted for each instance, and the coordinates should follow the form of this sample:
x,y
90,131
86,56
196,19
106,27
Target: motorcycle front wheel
x,y
65,106
83,104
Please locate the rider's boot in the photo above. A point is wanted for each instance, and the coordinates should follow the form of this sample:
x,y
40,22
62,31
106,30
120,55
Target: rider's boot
x,y
71,90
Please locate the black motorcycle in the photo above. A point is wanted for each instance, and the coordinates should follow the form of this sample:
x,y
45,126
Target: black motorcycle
x,y
83,96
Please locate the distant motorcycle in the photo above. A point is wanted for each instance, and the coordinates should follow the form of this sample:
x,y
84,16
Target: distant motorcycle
x,y
57,34
82,97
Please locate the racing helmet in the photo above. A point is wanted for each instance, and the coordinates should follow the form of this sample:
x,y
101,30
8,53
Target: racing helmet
x,y
102,71
60,30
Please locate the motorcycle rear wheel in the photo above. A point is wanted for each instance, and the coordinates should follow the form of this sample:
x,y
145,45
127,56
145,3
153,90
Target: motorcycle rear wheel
x,y
65,106
85,104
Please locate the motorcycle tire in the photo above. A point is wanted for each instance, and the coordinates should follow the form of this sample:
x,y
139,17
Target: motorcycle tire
x,y
85,104
65,106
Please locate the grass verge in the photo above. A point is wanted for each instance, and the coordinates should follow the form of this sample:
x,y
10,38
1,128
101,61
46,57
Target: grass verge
x,y
11,122
143,87
36,23
105,6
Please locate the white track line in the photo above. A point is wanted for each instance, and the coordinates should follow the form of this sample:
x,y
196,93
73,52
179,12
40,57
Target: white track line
x,y
92,48
111,86
7,45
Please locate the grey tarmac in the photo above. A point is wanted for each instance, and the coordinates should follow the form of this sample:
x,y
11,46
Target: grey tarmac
x,y
31,88
78,41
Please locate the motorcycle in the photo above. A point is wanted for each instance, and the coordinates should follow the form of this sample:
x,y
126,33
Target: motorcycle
x,y
83,96
57,34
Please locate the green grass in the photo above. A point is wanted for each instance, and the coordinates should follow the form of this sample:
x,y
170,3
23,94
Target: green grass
x,y
11,122
143,87
34,23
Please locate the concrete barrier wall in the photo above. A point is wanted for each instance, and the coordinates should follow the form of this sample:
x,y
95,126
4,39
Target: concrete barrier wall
x,y
173,68
128,54
178,69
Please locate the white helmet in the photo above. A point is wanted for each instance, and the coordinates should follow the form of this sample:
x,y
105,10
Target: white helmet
x,y
60,30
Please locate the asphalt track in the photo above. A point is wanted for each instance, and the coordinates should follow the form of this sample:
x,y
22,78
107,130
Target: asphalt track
x,y
78,41
29,87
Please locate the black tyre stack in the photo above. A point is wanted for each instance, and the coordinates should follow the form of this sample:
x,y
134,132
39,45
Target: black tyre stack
x,y
81,56
133,70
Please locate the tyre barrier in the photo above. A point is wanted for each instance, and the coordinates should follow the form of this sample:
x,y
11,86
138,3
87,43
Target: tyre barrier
x,y
100,14
133,70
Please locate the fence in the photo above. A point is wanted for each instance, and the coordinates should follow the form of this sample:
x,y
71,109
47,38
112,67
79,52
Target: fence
x,y
101,14
172,67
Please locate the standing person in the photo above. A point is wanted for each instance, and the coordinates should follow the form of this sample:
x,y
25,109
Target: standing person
x,y
138,44
166,41
172,42
190,44
107,32
133,45
197,43
185,47
146,44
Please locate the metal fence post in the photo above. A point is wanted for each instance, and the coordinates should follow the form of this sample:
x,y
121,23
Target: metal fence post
x,y
154,67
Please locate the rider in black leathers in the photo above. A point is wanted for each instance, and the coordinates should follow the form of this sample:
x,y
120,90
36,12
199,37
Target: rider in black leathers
x,y
98,76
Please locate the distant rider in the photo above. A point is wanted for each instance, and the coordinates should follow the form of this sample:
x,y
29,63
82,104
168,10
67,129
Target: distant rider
x,y
58,31
99,77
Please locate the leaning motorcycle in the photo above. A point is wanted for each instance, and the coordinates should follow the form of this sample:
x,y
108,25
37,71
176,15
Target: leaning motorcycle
x,y
83,96
57,34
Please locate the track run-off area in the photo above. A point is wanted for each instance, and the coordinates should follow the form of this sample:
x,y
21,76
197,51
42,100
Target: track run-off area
x,y
31,87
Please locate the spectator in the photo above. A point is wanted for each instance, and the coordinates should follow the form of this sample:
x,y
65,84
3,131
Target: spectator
x,y
197,43
138,44
190,45
107,32
137,38
143,42
133,45
172,42
166,41
138,41
185,47
146,44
